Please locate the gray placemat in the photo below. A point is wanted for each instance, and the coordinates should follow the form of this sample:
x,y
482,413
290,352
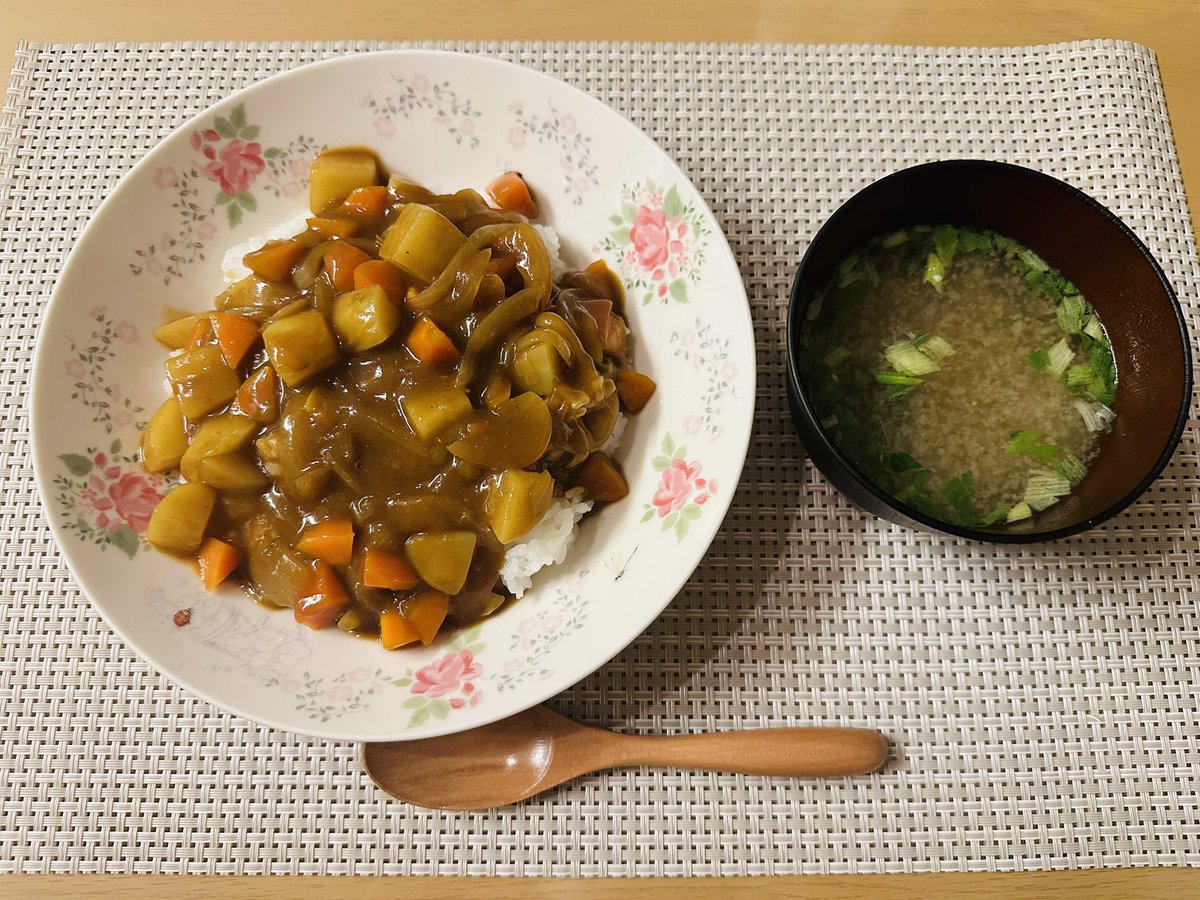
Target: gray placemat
x,y
1043,700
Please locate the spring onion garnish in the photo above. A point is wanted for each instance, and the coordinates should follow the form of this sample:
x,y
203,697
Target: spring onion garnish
x,y
905,358
1059,357
898,385
848,270
936,348
1079,377
895,239
1032,443
1071,312
1044,489
836,356
937,264
1038,359
1093,329
1018,513
935,271
1096,416
1071,469
959,493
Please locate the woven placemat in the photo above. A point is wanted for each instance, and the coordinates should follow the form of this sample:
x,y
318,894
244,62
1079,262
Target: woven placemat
x,y
1043,700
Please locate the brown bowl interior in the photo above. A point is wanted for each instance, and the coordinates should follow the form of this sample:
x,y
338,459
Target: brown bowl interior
x,y
1093,249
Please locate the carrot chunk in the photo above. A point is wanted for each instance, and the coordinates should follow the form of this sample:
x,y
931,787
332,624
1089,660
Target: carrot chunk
x,y
429,343
340,262
217,559
384,274
368,202
236,335
330,227
426,612
511,192
258,397
634,389
601,480
331,541
322,599
275,260
395,630
390,571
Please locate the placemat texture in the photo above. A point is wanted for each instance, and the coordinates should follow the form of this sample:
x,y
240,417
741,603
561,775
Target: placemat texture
x,y
1043,700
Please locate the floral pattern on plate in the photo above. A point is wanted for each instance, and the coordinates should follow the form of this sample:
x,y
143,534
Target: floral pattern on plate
x,y
538,634
228,155
456,116
658,243
323,699
559,129
710,357
109,404
448,683
681,491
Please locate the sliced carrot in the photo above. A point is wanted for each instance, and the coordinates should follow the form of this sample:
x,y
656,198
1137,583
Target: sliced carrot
x,y
275,260
340,262
384,274
634,389
511,192
332,541
258,397
395,630
426,612
367,201
390,571
330,227
217,559
236,335
429,343
322,598
200,333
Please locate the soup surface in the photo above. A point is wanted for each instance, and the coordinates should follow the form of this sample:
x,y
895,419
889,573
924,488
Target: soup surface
x,y
960,373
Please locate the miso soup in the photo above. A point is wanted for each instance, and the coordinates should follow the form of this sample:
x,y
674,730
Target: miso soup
x,y
959,372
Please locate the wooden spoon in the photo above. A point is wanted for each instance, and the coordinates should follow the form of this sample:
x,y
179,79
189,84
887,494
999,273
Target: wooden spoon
x,y
518,757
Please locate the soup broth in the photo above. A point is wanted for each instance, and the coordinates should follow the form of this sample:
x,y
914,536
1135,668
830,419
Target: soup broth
x,y
960,373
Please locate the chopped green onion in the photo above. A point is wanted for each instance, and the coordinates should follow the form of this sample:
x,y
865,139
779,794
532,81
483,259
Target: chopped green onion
x,y
895,239
903,462
935,271
969,239
1059,357
1044,489
1038,359
959,493
1032,443
897,378
1032,260
1096,416
945,242
1093,329
936,348
836,356
1071,312
848,270
1080,376
1071,469
908,360
1000,512
1018,513
1103,392
814,308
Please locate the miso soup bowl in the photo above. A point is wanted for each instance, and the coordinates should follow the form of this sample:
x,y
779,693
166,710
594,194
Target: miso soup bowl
x,y
1091,247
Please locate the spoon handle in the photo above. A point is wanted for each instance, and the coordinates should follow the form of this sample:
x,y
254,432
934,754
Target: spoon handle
x,y
783,752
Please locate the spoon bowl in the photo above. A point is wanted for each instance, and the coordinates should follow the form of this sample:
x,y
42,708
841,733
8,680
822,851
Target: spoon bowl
x,y
507,761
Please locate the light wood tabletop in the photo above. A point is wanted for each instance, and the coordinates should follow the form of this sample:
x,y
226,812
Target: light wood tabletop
x,y
1169,27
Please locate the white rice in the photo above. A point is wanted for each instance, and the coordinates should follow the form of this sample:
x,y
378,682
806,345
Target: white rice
x,y
551,539
547,544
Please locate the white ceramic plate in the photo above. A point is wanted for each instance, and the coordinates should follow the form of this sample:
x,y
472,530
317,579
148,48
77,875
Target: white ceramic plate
x,y
239,170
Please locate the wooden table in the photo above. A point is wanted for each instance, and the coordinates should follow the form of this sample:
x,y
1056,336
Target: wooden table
x,y
1170,27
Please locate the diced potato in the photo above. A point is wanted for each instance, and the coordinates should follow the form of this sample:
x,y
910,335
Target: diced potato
x,y
176,335
180,519
254,294
365,318
517,501
165,439
201,380
231,472
217,436
442,559
432,412
335,173
537,367
300,346
421,242
512,436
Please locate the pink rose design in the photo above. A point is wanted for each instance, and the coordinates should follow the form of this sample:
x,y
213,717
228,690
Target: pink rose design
x,y
154,267
74,368
687,338
457,702
127,332
100,459
385,127
516,137
291,188
98,312
166,177
568,124
466,126
123,418
581,184
475,698
134,499
446,675
675,488
212,135
526,626
298,168
196,140
420,84
729,370
339,693
692,425
359,674
239,165
206,230
290,686
513,665
650,237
